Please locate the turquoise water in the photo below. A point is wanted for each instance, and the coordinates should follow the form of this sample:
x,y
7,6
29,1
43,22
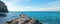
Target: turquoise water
x,y
44,17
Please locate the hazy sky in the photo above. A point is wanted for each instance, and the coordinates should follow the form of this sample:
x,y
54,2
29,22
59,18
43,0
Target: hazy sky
x,y
33,5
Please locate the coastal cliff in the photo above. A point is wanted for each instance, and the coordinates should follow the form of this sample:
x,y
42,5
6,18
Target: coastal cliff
x,y
3,7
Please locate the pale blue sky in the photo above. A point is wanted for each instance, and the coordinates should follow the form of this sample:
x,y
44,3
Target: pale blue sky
x,y
33,5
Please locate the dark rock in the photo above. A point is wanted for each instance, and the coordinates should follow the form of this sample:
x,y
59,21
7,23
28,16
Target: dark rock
x,y
8,22
26,21
37,22
3,7
2,15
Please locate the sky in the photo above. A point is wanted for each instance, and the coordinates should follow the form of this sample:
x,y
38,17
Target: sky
x,y
32,5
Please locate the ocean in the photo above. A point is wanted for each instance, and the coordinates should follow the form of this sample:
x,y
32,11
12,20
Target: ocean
x,y
43,17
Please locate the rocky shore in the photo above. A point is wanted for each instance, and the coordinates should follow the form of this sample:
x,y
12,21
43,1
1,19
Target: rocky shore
x,y
24,19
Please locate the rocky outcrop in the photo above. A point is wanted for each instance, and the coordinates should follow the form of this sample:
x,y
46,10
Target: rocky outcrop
x,y
24,20
3,7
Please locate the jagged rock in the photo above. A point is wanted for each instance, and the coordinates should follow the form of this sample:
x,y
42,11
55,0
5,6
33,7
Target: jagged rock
x,y
3,7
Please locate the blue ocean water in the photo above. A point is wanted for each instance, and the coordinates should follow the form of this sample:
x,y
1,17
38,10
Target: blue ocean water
x,y
44,17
